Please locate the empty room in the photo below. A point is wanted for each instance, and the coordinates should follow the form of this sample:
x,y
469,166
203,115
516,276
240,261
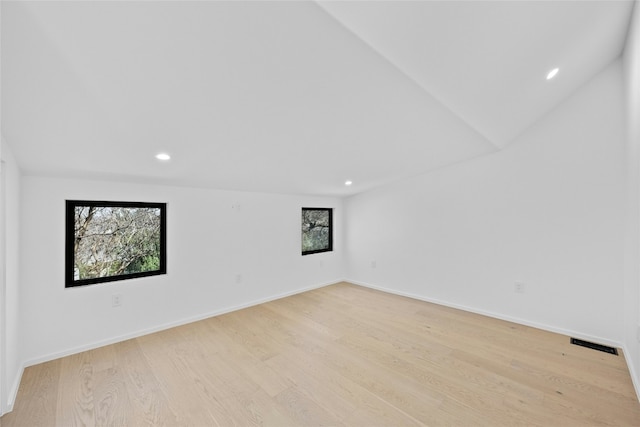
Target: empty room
x,y
299,213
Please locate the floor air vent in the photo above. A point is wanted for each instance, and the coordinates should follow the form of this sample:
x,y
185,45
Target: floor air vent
x,y
594,346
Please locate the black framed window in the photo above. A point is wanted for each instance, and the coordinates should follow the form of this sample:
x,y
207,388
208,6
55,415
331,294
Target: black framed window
x,y
317,230
108,241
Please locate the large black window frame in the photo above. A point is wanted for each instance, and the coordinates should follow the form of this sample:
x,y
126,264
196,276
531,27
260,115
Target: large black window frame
x,y
130,243
317,230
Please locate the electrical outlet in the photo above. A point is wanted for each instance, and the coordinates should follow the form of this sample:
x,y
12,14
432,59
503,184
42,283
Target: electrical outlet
x,y
116,300
519,287
238,278
374,264
638,333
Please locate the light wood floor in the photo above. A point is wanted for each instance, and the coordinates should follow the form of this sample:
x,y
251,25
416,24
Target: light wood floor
x,y
342,355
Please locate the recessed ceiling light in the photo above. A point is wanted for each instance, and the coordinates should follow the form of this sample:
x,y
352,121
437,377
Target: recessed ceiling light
x,y
552,73
348,183
163,156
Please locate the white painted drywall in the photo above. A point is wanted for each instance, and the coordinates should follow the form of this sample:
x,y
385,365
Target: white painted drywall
x,y
548,211
631,60
12,359
212,237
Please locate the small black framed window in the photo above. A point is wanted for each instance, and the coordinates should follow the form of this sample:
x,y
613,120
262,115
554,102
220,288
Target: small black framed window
x,y
107,241
317,230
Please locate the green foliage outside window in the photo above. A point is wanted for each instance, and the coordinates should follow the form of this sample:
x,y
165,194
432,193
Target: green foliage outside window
x,y
111,241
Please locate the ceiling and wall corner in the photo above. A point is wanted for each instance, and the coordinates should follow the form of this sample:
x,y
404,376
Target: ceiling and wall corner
x,y
304,95
487,61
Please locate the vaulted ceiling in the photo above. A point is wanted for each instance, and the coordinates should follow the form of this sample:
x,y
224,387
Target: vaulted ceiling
x,y
287,96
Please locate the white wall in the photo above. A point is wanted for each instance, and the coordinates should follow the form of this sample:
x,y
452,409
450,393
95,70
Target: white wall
x,y
547,210
12,369
210,241
632,223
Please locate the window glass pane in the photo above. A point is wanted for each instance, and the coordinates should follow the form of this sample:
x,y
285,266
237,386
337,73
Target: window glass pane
x,y
113,241
317,230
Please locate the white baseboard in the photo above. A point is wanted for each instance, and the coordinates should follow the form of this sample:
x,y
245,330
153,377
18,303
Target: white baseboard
x,y
13,393
14,389
544,327
169,325
52,356
525,322
632,371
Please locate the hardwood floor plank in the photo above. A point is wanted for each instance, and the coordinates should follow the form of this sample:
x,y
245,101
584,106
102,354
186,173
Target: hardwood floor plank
x,y
91,390
249,365
304,410
343,397
150,406
338,355
35,405
179,380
